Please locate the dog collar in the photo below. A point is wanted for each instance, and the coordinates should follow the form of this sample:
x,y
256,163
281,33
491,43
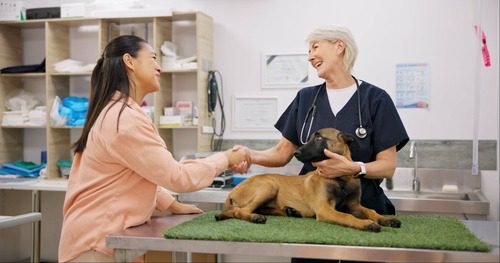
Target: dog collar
x,y
362,171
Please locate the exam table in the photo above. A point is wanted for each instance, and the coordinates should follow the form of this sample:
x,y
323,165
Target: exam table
x,y
34,217
10,221
134,242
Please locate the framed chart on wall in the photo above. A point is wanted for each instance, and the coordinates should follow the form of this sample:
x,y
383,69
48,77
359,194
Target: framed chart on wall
x,y
254,113
284,70
412,85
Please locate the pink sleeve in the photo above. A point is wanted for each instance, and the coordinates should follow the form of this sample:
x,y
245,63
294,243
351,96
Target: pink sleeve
x,y
138,147
163,199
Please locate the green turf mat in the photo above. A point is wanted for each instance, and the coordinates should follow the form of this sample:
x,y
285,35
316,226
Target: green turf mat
x,y
426,232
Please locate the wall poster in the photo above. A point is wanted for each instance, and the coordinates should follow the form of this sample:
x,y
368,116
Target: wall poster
x,y
412,85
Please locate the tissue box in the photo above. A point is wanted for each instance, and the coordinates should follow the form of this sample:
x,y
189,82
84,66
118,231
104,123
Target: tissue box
x,y
170,111
186,111
171,121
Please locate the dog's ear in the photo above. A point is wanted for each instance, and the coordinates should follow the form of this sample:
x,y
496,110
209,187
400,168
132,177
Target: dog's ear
x,y
346,137
350,140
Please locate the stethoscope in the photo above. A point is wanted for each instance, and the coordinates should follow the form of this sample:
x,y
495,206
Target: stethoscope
x,y
360,131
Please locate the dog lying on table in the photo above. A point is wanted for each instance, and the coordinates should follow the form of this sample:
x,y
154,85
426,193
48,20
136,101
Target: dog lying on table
x,y
335,201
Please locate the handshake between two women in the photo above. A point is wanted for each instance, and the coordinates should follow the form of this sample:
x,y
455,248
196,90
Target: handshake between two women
x,y
238,158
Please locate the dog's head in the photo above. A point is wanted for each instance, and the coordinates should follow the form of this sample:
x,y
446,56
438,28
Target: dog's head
x,y
326,138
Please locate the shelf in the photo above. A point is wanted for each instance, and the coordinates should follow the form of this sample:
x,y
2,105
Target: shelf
x,y
33,23
23,75
179,127
23,127
84,39
190,30
66,127
24,24
176,16
184,16
71,74
131,20
74,21
189,70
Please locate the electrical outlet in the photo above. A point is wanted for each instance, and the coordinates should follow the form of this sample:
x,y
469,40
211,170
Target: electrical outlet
x,y
207,129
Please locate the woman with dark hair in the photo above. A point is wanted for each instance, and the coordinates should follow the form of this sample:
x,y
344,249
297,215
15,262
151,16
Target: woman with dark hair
x,y
121,165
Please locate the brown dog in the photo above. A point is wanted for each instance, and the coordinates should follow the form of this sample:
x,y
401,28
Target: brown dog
x,y
335,201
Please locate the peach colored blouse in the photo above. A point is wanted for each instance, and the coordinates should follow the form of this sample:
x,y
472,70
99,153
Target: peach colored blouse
x,y
117,182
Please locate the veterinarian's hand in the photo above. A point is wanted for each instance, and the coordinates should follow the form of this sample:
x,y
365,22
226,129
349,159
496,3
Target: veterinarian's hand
x,y
239,159
180,208
336,166
242,167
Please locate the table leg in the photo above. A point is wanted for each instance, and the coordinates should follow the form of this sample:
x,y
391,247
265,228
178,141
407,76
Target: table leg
x,y
120,255
219,206
35,236
127,255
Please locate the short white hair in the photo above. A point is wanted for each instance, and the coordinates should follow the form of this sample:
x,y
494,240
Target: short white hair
x,y
333,33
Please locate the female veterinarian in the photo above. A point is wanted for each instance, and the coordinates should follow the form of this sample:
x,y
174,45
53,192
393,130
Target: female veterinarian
x,y
349,105
121,163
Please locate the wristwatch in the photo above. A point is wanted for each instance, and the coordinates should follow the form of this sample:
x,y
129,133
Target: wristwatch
x,y
362,172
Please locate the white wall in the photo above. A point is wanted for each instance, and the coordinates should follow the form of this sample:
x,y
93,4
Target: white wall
x,y
388,32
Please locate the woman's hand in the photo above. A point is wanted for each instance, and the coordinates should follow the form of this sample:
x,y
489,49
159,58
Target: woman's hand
x,y
337,165
236,164
180,208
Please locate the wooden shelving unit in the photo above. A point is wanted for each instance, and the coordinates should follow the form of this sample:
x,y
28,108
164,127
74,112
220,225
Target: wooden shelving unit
x,y
57,44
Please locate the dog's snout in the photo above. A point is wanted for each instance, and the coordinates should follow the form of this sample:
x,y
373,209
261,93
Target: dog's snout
x,y
297,153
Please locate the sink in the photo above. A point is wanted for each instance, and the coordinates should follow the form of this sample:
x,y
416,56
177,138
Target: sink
x,y
430,195
472,203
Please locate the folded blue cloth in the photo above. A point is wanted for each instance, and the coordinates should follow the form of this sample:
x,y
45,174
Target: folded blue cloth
x,y
21,168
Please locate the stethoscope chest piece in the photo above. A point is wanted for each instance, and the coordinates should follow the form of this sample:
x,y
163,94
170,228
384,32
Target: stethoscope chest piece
x,y
361,132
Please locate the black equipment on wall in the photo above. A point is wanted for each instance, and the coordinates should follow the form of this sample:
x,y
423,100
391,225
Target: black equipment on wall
x,y
212,91
215,94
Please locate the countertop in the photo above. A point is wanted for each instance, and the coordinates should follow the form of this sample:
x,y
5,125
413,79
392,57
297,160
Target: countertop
x,y
58,185
471,209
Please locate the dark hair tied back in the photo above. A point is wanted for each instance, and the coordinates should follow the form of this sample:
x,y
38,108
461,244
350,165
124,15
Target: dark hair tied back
x,y
108,77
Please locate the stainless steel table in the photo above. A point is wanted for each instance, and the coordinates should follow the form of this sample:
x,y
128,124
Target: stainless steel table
x,y
36,186
134,242
10,221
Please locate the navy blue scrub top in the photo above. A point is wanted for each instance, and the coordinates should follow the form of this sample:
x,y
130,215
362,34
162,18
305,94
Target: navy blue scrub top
x,y
379,117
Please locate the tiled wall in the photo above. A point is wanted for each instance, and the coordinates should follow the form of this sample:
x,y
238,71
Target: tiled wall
x,y
450,154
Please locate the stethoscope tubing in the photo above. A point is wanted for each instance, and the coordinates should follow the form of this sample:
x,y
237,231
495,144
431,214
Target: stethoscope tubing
x,y
360,131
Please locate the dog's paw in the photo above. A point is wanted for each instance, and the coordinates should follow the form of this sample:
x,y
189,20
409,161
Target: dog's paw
x,y
291,212
258,219
374,227
219,217
392,222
